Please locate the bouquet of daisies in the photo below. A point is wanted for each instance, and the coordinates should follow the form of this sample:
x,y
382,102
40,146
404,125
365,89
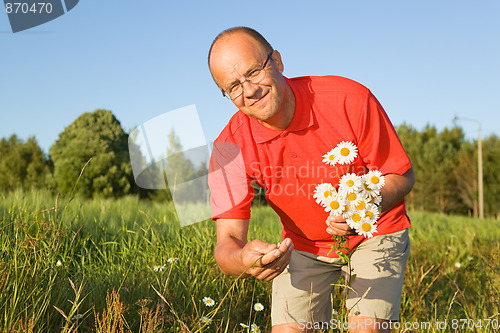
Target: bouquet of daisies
x,y
356,198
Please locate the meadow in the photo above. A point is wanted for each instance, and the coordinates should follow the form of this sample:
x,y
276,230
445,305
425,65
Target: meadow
x,y
126,265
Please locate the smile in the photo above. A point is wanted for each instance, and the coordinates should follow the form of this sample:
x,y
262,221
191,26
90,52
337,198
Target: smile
x,y
259,100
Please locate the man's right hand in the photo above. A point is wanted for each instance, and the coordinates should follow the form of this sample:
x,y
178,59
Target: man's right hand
x,y
273,258
239,258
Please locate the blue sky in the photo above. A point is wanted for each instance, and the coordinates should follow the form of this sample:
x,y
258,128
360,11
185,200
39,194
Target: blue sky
x,y
424,60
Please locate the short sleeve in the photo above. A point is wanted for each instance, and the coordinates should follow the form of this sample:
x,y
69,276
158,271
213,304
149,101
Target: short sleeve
x,y
378,143
231,189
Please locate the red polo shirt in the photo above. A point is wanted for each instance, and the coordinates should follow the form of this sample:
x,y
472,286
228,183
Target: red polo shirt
x,y
288,164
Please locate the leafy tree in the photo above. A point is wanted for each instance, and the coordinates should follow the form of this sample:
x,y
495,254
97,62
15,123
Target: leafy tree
x,y
100,137
22,165
491,175
178,168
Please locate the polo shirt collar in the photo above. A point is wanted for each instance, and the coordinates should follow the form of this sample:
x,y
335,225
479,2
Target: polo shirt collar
x,y
302,118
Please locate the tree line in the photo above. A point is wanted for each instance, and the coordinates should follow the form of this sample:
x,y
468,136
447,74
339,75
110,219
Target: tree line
x,y
91,158
445,165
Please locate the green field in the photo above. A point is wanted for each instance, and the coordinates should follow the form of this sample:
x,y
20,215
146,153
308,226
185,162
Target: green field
x,y
89,266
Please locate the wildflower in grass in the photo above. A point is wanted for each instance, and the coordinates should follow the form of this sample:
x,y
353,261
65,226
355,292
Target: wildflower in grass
x,y
159,268
470,258
346,152
208,301
255,329
59,263
458,265
244,325
330,158
349,183
77,317
173,260
258,307
366,228
206,320
323,191
374,179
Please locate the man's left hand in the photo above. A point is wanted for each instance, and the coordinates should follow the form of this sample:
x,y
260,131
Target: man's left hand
x,y
337,226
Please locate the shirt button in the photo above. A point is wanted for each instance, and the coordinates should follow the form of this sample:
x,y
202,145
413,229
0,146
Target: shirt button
x,y
294,154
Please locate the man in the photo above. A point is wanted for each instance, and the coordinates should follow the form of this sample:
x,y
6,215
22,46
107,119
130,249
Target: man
x,y
277,139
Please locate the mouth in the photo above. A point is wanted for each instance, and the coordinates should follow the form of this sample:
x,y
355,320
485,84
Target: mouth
x,y
259,100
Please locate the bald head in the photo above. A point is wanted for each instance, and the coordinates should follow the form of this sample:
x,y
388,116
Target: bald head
x,y
224,38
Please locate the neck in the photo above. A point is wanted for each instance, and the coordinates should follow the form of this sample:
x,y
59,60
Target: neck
x,y
285,115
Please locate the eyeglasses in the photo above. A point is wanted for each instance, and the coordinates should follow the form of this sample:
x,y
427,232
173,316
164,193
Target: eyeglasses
x,y
254,76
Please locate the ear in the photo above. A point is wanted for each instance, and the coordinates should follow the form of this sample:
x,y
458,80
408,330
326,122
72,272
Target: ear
x,y
277,61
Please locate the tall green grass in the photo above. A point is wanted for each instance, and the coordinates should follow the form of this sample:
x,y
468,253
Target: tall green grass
x,y
108,251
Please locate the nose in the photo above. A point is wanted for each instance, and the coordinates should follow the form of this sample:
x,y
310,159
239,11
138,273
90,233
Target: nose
x,y
249,88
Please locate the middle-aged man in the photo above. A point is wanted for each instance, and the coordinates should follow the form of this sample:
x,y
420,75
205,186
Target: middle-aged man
x,y
277,140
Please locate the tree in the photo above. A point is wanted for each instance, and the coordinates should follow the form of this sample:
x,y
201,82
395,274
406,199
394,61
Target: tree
x,y
22,165
97,135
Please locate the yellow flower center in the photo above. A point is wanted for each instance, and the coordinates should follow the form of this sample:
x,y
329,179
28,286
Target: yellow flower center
x,y
351,196
331,157
366,227
374,180
334,204
350,183
327,194
345,209
356,217
344,151
372,200
361,205
369,214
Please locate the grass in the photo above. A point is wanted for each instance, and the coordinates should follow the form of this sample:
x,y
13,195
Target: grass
x,y
108,250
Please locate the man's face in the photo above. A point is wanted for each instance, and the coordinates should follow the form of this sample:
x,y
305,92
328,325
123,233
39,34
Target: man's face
x,y
232,59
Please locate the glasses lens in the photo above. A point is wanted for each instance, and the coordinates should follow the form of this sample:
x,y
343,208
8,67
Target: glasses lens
x,y
234,91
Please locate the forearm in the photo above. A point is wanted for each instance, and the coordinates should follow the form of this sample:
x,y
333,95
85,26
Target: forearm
x,y
395,188
228,255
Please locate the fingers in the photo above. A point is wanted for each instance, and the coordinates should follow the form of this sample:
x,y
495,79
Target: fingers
x,y
274,262
337,226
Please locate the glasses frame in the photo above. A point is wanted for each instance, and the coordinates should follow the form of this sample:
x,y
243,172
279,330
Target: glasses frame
x,y
263,67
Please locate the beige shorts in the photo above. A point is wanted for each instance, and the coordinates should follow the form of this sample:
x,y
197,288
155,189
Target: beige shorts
x,y
304,291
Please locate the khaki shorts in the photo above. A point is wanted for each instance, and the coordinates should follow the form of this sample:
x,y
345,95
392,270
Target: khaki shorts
x,y
304,291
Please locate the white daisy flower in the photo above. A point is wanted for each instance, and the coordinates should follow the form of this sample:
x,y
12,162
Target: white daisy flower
x,y
59,263
368,192
375,200
349,183
77,317
348,210
458,265
173,260
258,307
374,179
366,229
354,221
353,199
323,191
206,320
362,203
208,301
334,205
329,158
372,213
159,268
255,329
244,325
346,152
